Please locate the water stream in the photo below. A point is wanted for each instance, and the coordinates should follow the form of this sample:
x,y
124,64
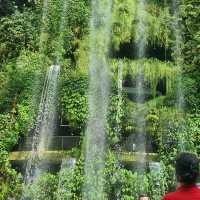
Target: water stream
x,y
140,94
45,126
95,139
178,52
43,25
60,40
180,101
119,105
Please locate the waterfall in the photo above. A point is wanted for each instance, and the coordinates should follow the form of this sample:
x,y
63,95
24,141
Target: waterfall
x,y
141,35
140,95
60,40
45,125
178,53
178,41
95,139
120,78
120,87
43,26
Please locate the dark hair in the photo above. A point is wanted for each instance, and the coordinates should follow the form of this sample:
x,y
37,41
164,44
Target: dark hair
x,y
187,168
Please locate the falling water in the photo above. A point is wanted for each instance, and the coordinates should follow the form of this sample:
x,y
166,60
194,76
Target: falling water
x,y
44,25
45,125
178,53
93,188
119,105
180,102
141,36
117,147
60,40
140,118
120,78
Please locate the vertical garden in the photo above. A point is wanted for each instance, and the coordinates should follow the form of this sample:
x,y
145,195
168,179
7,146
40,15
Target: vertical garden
x,y
97,97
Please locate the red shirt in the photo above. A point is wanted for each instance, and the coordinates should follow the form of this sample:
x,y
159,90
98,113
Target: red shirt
x,y
184,193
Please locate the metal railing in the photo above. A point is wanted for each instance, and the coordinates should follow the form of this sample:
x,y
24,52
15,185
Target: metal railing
x,y
55,143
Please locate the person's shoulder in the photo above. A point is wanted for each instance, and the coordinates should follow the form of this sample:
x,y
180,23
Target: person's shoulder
x,y
169,196
197,190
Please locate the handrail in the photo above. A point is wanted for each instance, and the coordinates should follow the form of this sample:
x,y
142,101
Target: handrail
x,y
54,143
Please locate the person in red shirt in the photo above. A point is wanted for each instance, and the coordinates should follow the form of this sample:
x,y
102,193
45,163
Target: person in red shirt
x,y
187,173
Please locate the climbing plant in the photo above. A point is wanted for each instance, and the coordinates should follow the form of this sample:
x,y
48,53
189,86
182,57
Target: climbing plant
x,y
154,71
190,19
157,22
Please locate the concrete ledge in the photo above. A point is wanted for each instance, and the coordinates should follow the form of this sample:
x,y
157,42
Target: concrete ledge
x,y
56,156
136,156
44,155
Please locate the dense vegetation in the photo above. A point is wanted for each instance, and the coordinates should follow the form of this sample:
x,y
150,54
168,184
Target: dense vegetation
x,y
28,45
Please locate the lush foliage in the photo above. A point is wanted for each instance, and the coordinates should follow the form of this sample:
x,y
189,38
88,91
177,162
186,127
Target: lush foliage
x,y
19,97
157,21
43,188
34,35
74,98
17,32
191,15
10,186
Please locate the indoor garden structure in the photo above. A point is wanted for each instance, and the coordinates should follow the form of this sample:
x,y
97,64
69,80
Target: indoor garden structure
x,y
97,97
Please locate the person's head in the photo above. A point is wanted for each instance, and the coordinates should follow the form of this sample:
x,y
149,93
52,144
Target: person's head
x,y
187,168
144,197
